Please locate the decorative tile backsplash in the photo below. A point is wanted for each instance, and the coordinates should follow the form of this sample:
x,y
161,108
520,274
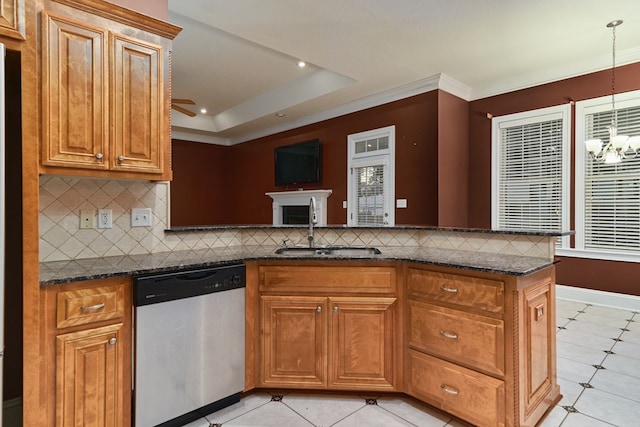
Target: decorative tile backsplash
x,y
61,238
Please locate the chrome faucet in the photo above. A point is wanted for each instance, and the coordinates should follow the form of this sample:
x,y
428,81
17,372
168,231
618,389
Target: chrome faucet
x,y
313,220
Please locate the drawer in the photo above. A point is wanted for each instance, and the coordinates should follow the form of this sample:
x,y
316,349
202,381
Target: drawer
x,y
473,340
83,306
467,394
483,294
325,279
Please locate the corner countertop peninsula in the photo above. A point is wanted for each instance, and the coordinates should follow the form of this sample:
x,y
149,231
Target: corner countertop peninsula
x,y
511,252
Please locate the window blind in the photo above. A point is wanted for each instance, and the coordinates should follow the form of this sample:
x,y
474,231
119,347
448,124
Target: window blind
x,y
370,202
530,176
612,192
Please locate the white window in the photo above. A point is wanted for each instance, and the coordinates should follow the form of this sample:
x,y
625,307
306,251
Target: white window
x,y
370,178
530,173
607,195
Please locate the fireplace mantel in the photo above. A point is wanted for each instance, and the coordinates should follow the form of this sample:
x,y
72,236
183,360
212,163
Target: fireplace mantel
x,y
300,198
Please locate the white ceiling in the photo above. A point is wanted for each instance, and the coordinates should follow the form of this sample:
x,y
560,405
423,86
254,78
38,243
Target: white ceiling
x,y
238,58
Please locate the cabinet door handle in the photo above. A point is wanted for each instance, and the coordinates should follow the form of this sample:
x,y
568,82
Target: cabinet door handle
x,y
319,309
448,389
92,307
335,309
99,156
112,341
451,335
450,290
120,159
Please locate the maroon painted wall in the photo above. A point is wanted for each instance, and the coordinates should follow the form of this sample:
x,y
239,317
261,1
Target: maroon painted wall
x,y
453,163
587,273
201,188
249,166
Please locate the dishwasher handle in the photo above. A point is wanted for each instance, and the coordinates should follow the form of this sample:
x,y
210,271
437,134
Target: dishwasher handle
x,y
191,277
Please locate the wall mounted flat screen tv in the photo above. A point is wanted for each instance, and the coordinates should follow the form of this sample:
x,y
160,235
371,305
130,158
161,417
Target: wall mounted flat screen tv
x,y
299,163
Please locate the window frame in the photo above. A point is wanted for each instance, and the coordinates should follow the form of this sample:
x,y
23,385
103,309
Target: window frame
x,y
499,123
385,157
584,108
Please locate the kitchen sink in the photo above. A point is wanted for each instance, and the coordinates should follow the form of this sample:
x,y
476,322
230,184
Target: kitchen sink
x,y
328,250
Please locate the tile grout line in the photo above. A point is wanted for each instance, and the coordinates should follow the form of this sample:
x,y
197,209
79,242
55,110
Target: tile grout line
x,y
587,385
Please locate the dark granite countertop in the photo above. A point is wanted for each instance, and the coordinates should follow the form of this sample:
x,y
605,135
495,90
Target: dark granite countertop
x,y
57,272
191,228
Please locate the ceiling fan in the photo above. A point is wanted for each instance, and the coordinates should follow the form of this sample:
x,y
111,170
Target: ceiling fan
x,y
183,110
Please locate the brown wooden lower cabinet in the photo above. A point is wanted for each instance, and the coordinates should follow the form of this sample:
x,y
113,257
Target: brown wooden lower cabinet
x,y
89,353
320,342
480,346
89,377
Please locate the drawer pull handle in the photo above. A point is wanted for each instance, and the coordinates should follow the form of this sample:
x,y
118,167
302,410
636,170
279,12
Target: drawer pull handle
x,y
448,389
92,307
451,335
450,290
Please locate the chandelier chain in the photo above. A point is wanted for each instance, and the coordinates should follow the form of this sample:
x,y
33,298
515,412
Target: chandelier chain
x,y
614,120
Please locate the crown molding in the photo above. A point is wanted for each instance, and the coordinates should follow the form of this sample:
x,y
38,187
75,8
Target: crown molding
x,y
437,81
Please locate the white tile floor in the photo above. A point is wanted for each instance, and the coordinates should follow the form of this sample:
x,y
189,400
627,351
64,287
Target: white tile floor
x,y
598,373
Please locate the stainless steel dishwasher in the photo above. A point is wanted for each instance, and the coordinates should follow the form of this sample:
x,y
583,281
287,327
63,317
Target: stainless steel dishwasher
x,y
189,344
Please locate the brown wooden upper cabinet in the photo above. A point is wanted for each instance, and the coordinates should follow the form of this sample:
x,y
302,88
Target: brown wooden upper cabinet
x,y
105,101
12,22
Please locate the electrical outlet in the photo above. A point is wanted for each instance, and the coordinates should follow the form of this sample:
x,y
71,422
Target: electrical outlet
x,y
105,218
87,218
141,217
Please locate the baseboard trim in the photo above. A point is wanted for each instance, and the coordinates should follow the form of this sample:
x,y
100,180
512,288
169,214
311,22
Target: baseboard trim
x,y
590,296
12,412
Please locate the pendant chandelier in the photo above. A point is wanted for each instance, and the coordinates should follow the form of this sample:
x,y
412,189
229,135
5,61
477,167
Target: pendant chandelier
x,y
618,147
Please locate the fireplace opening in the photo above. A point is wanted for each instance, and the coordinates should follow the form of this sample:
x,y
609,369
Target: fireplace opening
x,y
295,215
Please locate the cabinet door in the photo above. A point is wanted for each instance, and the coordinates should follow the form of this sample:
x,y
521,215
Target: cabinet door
x,y
90,377
74,93
294,344
362,342
136,100
12,19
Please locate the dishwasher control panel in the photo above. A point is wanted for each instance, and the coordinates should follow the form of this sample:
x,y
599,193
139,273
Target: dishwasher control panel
x,y
163,287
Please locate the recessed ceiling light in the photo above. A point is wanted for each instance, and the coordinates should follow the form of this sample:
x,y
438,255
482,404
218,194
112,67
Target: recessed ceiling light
x,y
280,114
203,110
302,64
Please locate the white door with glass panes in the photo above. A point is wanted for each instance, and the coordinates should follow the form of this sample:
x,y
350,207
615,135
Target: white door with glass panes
x,y
370,178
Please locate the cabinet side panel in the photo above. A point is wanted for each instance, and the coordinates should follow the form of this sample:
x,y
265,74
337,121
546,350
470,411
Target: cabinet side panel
x,y
539,373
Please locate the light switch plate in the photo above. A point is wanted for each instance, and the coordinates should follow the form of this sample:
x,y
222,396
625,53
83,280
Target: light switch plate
x,y
141,217
401,203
